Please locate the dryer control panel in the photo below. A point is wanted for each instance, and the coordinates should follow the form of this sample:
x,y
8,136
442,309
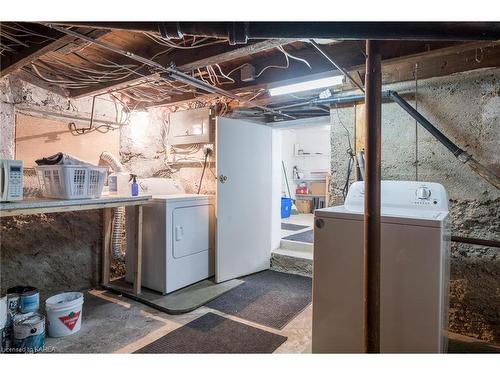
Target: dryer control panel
x,y
401,195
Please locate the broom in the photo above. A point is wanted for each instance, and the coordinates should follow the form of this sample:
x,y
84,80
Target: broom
x,y
294,208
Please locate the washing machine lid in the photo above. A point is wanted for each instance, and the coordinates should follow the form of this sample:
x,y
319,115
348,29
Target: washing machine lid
x,y
409,202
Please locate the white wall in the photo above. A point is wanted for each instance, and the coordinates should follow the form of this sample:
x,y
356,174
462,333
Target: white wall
x,y
311,139
277,136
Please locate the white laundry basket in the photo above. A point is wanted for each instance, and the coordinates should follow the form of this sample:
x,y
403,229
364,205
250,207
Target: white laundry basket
x,y
71,181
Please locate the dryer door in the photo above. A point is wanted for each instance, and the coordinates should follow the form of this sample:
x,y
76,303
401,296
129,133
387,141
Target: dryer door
x,y
191,230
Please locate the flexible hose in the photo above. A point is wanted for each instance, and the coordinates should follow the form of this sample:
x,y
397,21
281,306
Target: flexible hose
x,y
117,233
112,161
118,212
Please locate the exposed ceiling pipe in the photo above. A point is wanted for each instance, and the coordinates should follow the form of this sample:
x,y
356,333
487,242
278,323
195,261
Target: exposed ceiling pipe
x,y
241,32
168,70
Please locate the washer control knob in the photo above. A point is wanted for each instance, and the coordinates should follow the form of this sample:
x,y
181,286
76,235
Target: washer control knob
x,y
423,193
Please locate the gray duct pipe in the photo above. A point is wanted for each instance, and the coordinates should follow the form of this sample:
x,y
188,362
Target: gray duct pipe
x,y
361,164
118,212
460,154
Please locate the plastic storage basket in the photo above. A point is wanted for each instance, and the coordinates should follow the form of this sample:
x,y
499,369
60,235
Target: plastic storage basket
x,y
71,181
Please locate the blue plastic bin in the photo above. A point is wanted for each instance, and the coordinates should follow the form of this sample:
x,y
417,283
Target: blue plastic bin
x,y
286,207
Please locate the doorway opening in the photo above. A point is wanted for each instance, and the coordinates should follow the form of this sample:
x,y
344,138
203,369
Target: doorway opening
x,y
304,176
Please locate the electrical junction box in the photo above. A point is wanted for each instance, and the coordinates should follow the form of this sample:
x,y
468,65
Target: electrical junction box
x,y
247,73
191,126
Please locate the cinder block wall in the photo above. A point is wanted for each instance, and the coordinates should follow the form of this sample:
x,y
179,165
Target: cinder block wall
x,y
465,107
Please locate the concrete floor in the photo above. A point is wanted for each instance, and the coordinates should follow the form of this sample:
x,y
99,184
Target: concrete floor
x,y
115,324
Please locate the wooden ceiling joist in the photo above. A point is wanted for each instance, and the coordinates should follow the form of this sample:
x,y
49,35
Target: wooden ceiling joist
x,y
433,63
29,54
57,42
185,60
13,62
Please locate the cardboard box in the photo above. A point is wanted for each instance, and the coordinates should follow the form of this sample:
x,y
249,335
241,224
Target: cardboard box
x,y
303,206
317,188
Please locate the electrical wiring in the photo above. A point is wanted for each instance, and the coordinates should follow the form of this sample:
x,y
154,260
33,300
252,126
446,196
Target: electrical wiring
x,y
25,30
168,43
12,37
350,152
86,74
212,72
35,69
200,76
207,152
105,128
286,66
223,75
91,128
76,76
282,49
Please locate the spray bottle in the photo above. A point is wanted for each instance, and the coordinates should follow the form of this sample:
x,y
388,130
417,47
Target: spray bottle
x,y
135,185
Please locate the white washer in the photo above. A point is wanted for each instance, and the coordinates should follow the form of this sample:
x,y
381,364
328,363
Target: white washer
x,y
178,242
415,243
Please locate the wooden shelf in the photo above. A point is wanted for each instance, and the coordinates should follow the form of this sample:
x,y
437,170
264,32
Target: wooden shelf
x,y
45,205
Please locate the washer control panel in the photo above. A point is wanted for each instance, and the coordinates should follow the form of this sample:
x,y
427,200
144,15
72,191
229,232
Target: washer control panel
x,y
401,194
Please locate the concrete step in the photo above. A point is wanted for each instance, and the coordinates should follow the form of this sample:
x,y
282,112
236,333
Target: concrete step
x,y
292,261
296,246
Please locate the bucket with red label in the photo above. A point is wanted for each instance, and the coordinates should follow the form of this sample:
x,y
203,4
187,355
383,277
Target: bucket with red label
x,y
64,313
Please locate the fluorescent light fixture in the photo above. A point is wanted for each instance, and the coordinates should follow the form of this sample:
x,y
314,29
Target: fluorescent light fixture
x,y
307,85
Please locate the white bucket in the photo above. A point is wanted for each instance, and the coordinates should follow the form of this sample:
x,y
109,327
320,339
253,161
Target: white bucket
x,y
64,313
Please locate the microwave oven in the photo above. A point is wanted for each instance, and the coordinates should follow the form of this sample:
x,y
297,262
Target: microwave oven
x,y
11,180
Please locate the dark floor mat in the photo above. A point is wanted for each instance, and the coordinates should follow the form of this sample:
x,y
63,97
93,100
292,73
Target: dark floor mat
x,y
212,333
306,236
269,298
294,227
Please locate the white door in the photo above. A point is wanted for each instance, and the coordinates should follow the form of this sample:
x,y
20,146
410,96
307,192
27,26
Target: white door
x,y
244,196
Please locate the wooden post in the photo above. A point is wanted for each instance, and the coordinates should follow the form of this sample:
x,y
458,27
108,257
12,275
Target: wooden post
x,y
138,263
371,266
107,220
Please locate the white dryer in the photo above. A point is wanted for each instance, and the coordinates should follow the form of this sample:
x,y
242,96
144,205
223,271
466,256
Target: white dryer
x,y
178,241
415,243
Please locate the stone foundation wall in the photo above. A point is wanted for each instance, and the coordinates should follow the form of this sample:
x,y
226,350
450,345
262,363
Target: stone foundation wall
x,y
147,153
53,252
466,108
